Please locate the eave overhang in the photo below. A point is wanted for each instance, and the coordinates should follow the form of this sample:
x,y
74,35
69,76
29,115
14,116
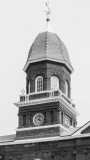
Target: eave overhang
x,y
48,100
50,59
38,140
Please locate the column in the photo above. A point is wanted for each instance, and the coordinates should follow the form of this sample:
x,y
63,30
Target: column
x,y
69,90
48,86
55,116
52,116
32,86
20,120
30,124
27,119
63,86
62,118
71,122
48,117
45,117
59,117
26,86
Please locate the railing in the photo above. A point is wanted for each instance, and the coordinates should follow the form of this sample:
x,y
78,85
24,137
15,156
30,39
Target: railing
x,y
45,94
39,95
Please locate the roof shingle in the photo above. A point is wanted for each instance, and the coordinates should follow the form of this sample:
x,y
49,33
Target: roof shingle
x,y
48,45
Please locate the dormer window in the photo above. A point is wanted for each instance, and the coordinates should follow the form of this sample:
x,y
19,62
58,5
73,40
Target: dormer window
x,y
54,83
66,88
39,84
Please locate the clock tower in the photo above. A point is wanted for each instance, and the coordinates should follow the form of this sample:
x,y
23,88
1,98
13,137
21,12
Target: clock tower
x,y
46,110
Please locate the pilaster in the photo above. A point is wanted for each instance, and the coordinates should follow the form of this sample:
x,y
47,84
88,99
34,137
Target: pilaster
x,y
48,117
27,119
20,120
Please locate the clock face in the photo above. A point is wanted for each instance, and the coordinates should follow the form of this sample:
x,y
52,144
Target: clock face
x,y
66,121
38,119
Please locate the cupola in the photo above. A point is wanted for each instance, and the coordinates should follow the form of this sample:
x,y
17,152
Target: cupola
x,y
47,108
48,46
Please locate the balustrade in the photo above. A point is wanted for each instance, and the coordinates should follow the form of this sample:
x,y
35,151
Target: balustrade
x,y
45,95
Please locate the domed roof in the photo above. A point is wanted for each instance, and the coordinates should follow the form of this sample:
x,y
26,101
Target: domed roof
x,y
48,46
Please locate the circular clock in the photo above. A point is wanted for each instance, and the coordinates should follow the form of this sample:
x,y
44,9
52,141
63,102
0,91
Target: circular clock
x,y
38,119
66,121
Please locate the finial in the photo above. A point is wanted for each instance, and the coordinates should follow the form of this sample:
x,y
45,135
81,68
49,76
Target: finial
x,y
48,12
23,91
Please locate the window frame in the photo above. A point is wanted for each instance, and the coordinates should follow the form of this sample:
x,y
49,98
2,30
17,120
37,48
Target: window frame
x,y
66,89
53,79
39,84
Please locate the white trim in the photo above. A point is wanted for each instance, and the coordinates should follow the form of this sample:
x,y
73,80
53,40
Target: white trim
x,y
47,100
36,83
39,114
50,92
37,140
73,110
31,140
37,92
63,127
54,81
40,127
51,59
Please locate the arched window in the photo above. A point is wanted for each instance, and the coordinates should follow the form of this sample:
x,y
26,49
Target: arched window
x,y
54,83
66,88
39,84
28,87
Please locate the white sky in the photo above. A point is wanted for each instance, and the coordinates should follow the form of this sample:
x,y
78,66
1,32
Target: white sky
x,y
20,23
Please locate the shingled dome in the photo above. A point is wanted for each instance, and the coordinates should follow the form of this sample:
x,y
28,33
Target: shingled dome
x,y
48,46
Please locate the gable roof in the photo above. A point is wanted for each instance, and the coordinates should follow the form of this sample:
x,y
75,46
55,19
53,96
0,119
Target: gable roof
x,y
82,129
78,131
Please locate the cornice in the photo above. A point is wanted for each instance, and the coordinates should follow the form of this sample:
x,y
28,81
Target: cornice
x,y
50,59
41,127
48,100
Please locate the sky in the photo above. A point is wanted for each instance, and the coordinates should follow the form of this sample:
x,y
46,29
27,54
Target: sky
x,y
20,22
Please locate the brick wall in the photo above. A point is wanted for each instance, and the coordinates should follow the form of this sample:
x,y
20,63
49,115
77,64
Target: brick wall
x,y
48,69
48,110
71,149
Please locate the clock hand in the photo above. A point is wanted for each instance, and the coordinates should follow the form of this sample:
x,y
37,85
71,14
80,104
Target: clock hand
x,y
39,119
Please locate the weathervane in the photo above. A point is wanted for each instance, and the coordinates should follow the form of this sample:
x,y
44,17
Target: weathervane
x,y
48,12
